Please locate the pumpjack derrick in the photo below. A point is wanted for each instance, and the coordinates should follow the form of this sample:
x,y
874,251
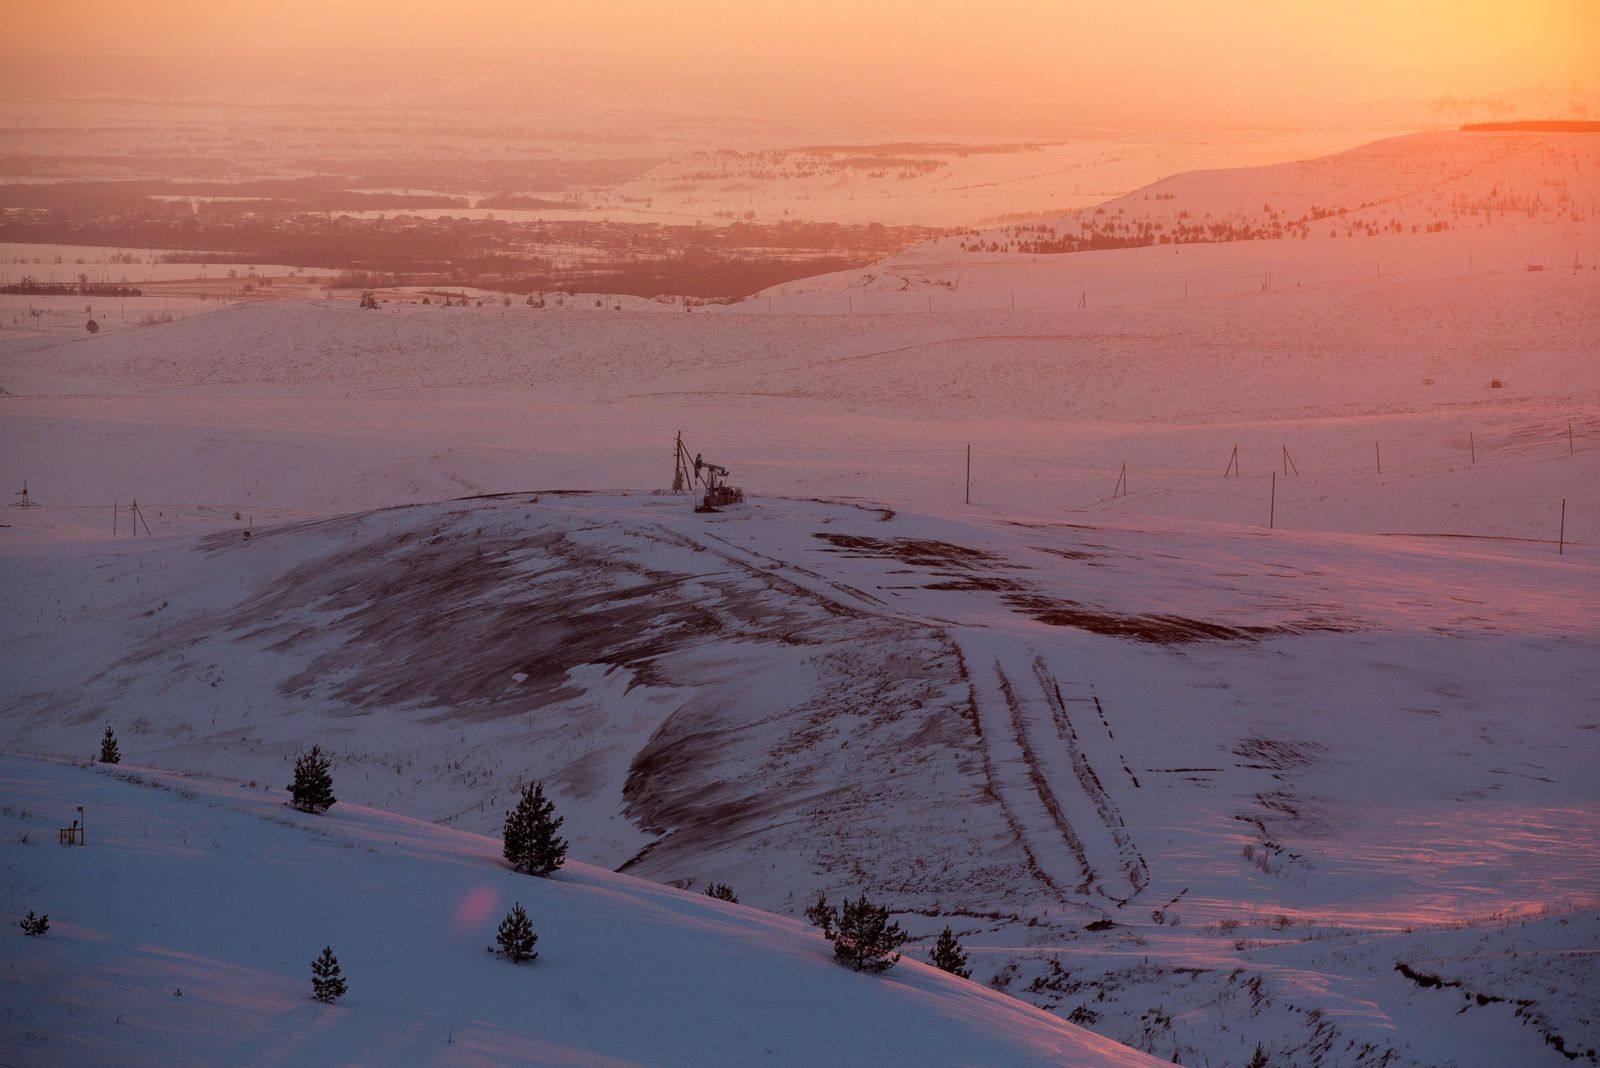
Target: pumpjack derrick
x,y
713,478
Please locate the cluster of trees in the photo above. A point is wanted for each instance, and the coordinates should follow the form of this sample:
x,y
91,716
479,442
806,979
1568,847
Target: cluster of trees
x,y
29,286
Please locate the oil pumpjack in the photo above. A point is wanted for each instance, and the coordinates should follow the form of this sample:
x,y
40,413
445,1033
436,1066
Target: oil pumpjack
x,y
714,477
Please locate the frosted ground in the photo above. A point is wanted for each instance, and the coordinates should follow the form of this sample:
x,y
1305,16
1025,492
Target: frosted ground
x,y
1279,761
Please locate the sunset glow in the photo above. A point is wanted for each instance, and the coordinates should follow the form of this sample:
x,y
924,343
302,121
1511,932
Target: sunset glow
x,y
1144,63
869,534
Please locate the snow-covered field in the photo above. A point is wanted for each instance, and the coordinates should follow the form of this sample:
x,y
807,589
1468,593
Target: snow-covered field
x,y
1284,730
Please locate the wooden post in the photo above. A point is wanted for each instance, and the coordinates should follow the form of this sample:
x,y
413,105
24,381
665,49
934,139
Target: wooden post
x,y
83,835
1569,437
969,475
1272,509
1377,450
1233,463
113,519
1561,545
1473,445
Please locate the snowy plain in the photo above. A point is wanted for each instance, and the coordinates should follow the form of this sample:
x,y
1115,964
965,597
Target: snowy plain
x,y
1284,729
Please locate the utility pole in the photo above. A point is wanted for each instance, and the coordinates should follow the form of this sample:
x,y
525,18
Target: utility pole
x,y
969,474
1561,546
1272,508
1377,451
1472,445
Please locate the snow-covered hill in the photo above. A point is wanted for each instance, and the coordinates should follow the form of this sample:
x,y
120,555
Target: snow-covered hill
x,y
1194,759
1015,725
182,933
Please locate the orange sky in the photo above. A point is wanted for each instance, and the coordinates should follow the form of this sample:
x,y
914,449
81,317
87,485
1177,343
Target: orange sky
x,y
1189,62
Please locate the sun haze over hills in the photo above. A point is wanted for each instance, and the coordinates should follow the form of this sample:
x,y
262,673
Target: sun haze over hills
x,y
1033,64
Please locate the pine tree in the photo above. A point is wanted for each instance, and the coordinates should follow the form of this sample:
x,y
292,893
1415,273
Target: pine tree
x,y
516,936
861,933
821,914
949,957
1259,1059
326,982
312,789
109,754
722,892
531,843
865,938
35,925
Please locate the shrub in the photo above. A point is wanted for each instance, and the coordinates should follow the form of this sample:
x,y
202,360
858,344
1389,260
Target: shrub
x,y
92,326
531,842
722,892
516,937
312,789
35,925
326,982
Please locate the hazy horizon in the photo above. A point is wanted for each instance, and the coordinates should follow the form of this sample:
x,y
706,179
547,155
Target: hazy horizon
x,y
1027,68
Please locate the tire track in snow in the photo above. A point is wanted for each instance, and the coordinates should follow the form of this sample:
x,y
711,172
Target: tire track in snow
x,y
1131,861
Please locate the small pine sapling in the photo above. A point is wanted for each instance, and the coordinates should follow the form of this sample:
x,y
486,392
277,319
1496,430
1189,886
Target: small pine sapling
x,y
312,789
326,982
722,892
948,955
109,753
35,925
531,842
1259,1058
865,938
516,937
861,933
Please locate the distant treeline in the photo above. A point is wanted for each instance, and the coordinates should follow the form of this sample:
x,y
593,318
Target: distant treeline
x,y
1533,126
28,287
709,278
644,259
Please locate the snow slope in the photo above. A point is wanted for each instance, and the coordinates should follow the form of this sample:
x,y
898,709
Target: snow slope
x,y
182,934
1263,755
1014,724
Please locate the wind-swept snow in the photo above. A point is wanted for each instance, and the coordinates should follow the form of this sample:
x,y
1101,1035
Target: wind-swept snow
x,y
182,934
